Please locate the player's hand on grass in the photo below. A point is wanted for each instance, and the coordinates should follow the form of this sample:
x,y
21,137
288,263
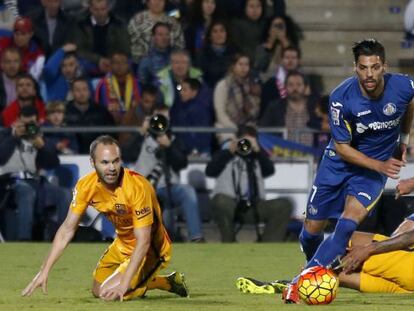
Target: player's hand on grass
x,y
355,258
391,168
114,293
40,280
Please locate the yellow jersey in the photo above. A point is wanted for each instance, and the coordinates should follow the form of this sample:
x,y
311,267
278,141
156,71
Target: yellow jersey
x,y
133,204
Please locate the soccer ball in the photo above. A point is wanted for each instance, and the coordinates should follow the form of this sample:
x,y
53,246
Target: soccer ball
x,y
317,285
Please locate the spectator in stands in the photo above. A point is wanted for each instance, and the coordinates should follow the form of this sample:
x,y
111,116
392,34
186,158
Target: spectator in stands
x,y
8,12
118,91
409,20
296,112
202,14
98,35
215,57
135,117
247,30
140,29
239,193
27,95
59,72
127,9
275,87
158,56
160,159
194,110
22,38
63,143
23,154
235,8
10,65
82,111
236,97
281,33
171,77
52,27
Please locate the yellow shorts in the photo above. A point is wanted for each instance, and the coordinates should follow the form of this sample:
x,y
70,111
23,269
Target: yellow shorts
x,y
113,259
397,266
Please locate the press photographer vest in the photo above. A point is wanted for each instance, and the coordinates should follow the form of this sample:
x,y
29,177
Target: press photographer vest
x,y
22,162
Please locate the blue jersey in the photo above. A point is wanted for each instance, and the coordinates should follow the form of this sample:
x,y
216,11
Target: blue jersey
x,y
372,126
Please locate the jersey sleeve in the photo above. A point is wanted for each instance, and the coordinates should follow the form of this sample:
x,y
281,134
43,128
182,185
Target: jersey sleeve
x,y
339,121
143,207
80,200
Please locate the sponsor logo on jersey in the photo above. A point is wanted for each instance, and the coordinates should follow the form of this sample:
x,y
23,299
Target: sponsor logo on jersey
x,y
376,126
143,212
363,113
389,109
364,194
121,209
335,115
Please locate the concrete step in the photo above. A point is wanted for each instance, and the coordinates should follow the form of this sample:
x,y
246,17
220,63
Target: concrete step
x,y
339,53
375,18
352,36
347,3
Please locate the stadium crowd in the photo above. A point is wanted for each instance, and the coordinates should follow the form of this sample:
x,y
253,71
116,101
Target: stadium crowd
x,y
208,63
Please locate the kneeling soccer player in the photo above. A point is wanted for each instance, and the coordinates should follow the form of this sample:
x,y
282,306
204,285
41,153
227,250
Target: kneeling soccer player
x,y
130,265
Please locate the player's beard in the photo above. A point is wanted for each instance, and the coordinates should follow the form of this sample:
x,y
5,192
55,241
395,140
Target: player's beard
x,y
108,178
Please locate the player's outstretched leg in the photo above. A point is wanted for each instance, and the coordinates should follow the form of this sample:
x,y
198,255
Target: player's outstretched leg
x,y
252,286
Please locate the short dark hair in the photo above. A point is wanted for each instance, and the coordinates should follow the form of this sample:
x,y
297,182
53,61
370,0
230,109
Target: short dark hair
x,y
194,84
246,129
104,140
292,73
70,54
28,111
292,48
368,47
80,79
160,24
149,89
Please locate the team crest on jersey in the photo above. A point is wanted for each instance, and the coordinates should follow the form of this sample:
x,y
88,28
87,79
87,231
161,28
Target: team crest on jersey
x,y
121,209
335,115
312,210
389,109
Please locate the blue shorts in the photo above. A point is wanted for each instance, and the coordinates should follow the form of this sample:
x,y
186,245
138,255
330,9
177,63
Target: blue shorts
x,y
334,181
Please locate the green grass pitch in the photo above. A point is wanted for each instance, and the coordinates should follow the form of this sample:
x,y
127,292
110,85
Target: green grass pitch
x,y
211,271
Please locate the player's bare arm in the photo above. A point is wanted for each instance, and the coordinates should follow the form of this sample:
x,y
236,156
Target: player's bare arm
x,y
405,186
359,254
390,168
62,238
143,236
405,129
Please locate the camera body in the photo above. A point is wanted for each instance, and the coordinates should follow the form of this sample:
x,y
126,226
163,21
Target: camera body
x,y
244,147
158,125
31,129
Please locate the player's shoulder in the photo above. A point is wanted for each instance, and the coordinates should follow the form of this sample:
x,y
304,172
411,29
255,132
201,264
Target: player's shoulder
x,y
402,81
88,181
344,88
134,178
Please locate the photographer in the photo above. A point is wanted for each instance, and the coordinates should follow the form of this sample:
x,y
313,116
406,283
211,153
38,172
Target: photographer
x,y
23,154
239,194
160,159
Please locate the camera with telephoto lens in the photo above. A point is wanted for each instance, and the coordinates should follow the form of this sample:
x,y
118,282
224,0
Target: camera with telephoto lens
x,y
158,125
32,129
155,175
244,147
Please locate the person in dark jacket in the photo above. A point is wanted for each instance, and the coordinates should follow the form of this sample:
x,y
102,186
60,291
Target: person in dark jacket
x,y
52,27
161,158
24,153
82,111
239,194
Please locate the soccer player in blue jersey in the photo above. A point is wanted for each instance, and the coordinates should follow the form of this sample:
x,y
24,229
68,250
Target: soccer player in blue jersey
x,y
370,118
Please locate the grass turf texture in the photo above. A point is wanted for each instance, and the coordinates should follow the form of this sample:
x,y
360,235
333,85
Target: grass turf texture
x,y
210,269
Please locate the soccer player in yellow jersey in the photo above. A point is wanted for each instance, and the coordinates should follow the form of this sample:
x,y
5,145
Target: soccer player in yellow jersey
x,y
130,265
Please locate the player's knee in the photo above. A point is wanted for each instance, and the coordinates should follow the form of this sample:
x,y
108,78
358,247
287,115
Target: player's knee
x,y
314,226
